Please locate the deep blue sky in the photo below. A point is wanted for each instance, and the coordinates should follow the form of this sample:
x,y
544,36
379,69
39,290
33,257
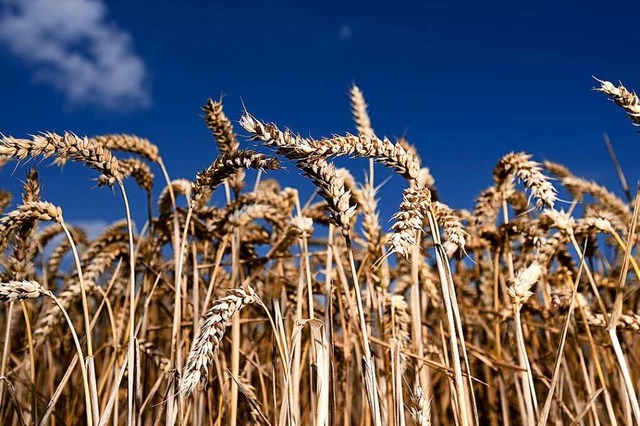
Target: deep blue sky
x,y
467,83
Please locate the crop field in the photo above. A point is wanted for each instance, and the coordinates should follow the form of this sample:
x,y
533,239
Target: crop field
x,y
240,301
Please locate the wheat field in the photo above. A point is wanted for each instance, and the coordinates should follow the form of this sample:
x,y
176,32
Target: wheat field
x,y
241,302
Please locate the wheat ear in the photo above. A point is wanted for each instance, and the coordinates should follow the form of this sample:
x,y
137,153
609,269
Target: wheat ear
x,y
520,166
627,100
211,333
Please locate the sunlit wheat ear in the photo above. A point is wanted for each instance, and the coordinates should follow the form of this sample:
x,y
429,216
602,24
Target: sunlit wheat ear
x,y
520,166
557,169
425,178
247,213
611,202
32,187
226,166
359,111
27,212
83,150
224,135
68,145
220,126
520,288
629,322
408,220
486,209
291,145
212,331
397,320
350,184
371,228
131,167
20,290
91,269
383,151
331,187
451,223
128,143
180,187
627,100
420,409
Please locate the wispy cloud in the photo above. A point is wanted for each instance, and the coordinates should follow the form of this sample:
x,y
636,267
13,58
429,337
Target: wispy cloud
x,y
92,227
73,46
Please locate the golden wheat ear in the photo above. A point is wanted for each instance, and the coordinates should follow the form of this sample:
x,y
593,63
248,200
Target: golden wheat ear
x,y
624,98
208,341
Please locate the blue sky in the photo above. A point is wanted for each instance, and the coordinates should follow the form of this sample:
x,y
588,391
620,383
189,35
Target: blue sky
x,y
465,82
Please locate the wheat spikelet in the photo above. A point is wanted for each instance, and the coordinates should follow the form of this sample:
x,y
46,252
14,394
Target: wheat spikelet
x,y
371,228
56,257
28,212
31,187
408,220
288,144
67,146
180,187
623,98
350,185
20,263
611,202
154,353
359,111
20,290
224,135
520,288
396,319
220,126
557,169
131,167
5,200
629,322
248,212
425,178
226,166
486,209
85,151
331,187
72,292
520,166
50,232
129,143
211,333
420,410
295,147
450,221
383,151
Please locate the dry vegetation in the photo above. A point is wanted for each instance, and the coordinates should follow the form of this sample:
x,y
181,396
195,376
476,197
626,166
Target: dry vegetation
x,y
249,306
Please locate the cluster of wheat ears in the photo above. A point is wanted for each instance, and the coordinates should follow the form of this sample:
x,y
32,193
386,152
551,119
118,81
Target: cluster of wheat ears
x,y
516,312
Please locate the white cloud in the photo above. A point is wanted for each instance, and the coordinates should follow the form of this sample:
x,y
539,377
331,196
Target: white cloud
x,y
71,45
93,227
